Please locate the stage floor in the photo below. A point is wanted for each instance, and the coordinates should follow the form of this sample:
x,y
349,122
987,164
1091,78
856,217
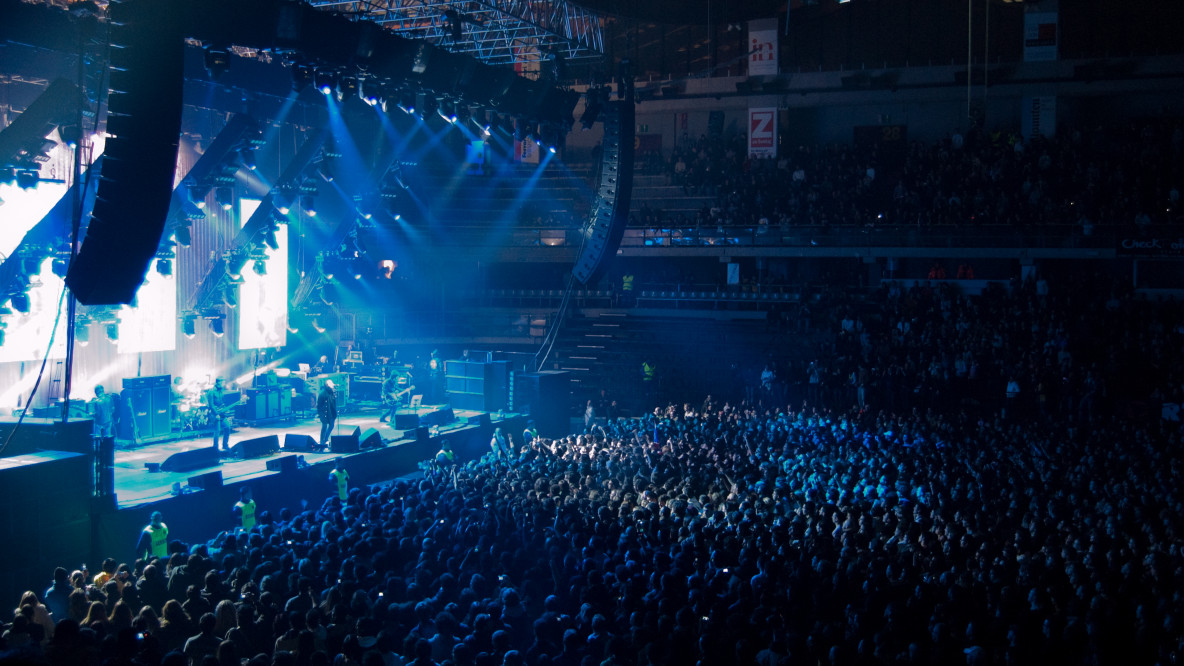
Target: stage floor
x,y
135,485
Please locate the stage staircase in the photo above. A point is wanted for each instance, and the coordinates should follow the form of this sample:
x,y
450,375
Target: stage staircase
x,y
696,353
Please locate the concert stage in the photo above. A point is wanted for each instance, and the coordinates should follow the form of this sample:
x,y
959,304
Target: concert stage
x,y
46,502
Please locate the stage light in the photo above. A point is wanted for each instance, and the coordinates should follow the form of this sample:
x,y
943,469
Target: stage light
x,y
326,81
189,326
316,325
225,197
217,61
302,77
348,87
230,297
270,240
309,205
357,276
113,332
183,235
60,266
82,332
247,156
198,198
164,266
282,202
368,90
27,179
218,326
70,135
260,267
20,302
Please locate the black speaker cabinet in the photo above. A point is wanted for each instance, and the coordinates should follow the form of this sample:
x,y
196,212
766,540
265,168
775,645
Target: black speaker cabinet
x,y
186,461
299,442
207,481
346,443
370,439
258,447
406,421
282,464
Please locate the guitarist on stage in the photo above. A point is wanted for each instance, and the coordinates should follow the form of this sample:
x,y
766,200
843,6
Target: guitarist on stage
x,y
219,414
394,388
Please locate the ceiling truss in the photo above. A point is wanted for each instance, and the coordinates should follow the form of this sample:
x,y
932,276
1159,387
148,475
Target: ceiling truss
x,y
496,32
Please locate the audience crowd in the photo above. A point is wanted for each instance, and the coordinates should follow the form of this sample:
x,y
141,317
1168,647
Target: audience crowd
x,y
932,530
1115,175
953,480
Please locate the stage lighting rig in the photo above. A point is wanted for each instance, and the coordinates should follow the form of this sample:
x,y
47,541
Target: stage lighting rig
x,y
189,325
82,331
218,325
225,197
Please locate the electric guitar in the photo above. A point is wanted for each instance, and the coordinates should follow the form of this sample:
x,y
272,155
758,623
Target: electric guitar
x,y
223,411
396,397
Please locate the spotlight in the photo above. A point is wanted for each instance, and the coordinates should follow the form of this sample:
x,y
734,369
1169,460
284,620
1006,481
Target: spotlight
x,y
368,89
292,328
27,178
270,240
217,61
20,302
197,196
60,266
260,267
302,77
282,202
189,326
348,87
326,81
164,266
218,326
183,235
229,297
113,332
225,197
309,205
247,156
82,331
70,135
316,325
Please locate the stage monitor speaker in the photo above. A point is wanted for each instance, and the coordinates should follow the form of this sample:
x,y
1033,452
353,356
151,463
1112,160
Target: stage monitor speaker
x,y
300,443
370,439
286,463
186,461
258,447
422,434
480,420
406,421
207,481
346,443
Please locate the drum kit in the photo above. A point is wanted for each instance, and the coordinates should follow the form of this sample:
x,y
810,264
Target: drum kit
x,y
191,411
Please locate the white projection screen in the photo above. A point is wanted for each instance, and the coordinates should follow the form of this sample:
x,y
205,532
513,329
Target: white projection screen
x,y
26,335
263,299
152,324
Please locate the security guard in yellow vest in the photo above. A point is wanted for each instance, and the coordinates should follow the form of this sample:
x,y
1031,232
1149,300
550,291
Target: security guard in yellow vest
x,y
340,477
154,539
244,509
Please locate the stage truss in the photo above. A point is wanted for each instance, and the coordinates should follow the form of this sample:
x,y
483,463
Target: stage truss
x,y
496,32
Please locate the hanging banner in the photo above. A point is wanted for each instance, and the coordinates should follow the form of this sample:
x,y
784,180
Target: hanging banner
x,y
1040,36
762,47
762,132
1039,117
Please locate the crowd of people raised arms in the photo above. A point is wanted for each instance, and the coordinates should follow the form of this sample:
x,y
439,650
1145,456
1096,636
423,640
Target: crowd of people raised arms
x,y
853,528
